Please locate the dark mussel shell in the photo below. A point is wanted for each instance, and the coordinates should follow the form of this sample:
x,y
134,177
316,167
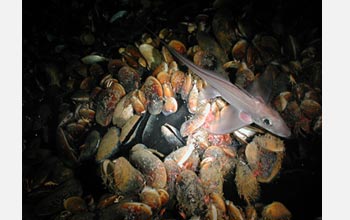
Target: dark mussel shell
x,y
153,128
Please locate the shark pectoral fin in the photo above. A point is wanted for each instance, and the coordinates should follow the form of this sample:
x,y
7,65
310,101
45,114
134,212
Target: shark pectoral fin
x,y
208,93
230,119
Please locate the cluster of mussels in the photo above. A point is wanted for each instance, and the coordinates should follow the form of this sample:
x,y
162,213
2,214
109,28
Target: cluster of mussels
x,y
140,120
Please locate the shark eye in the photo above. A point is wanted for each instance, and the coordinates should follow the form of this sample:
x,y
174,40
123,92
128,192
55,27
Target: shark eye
x,y
267,121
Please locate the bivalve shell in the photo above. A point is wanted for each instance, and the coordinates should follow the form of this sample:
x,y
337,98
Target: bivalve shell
x,y
109,144
127,179
151,54
150,166
276,211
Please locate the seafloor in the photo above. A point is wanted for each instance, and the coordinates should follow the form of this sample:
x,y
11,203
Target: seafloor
x,y
58,34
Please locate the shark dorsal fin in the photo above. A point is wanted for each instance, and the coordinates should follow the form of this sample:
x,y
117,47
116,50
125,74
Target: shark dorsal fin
x,y
261,88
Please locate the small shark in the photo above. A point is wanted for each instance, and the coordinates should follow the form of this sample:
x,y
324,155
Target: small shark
x,y
244,108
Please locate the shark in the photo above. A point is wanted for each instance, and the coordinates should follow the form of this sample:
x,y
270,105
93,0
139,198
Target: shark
x,y
244,107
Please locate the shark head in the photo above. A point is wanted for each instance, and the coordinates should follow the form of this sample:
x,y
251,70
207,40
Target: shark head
x,y
271,120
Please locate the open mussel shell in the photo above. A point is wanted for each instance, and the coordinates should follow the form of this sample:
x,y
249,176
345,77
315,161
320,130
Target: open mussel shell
x,y
109,144
276,211
264,155
128,126
171,135
161,132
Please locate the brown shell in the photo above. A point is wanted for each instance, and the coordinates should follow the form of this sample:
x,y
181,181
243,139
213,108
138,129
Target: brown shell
x,y
186,87
151,54
150,166
75,204
178,46
310,108
123,111
129,78
192,160
163,67
177,79
282,100
109,144
137,104
246,182
107,101
170,106
128,127
154,94
134,210
127,179
151,197
191,125
239,50
190,193
212,179
233,211
167,55
264,155
276,211
163,77
114,65
192,103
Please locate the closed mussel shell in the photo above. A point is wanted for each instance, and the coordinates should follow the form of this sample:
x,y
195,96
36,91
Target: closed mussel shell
x,y
90,146
106,103
151,54
151,197
123,111
127,179
264,155
75,204
276,211
150,166
154,94
129,78
109,144
310,108
190,193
